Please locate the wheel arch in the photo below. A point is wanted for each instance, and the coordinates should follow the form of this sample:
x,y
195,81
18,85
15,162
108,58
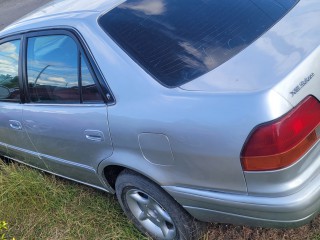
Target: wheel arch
x,y
112,171
111,174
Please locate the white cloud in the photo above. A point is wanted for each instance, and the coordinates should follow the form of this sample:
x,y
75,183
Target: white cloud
x,y
148,7
8,48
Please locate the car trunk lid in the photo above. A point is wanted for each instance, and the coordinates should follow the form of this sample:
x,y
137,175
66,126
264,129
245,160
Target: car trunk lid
x,y
286,59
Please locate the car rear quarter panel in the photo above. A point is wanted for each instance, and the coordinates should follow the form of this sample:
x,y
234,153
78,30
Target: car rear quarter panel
x,y
206,131
206,135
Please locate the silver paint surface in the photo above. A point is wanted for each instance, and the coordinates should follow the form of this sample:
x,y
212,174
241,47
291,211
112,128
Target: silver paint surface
x,y
206,121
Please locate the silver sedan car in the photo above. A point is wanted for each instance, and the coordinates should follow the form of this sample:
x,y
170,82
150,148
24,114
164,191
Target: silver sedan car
x,y
189,111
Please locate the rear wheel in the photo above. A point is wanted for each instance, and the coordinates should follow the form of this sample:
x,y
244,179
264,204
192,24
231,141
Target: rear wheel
x,y
152,210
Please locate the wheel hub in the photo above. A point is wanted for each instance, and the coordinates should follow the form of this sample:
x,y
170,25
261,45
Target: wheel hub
x,y
151,215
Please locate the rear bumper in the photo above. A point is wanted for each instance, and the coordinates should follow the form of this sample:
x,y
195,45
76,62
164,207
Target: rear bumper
x,y
287,211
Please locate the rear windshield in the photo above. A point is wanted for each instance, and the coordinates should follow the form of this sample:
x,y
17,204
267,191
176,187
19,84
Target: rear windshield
x,y
177,41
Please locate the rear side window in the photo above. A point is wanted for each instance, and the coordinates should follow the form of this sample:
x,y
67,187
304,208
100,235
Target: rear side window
x,y
53,64
178,41
52,69
9,77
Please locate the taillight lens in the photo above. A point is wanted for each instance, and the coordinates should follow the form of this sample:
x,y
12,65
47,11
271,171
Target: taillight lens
x,y
280,143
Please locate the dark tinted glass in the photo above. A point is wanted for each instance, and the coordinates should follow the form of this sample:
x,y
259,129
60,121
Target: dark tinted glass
x,y
9,62
90,93
177,41
52,63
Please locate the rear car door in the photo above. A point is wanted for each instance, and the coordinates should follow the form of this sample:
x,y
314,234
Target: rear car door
x,y
14,141
66,114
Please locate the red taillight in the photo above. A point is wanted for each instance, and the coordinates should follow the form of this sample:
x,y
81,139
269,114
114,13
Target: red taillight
x,y
280,143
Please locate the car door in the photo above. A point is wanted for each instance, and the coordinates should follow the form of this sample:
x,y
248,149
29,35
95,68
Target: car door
x,y
14,141
66,115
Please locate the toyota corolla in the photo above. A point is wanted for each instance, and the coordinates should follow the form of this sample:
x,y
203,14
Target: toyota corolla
x,y
189,111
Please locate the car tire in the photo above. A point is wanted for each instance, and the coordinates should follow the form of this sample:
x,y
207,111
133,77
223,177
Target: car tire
x,y
153,211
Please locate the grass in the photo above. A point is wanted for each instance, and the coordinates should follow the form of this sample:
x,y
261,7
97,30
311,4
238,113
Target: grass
x,y
41,206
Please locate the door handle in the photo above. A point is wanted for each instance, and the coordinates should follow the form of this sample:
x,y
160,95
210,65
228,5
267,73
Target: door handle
x,y
94,135
16,125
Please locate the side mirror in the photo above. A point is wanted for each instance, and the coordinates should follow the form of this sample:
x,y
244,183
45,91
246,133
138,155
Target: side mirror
x,y
4,92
